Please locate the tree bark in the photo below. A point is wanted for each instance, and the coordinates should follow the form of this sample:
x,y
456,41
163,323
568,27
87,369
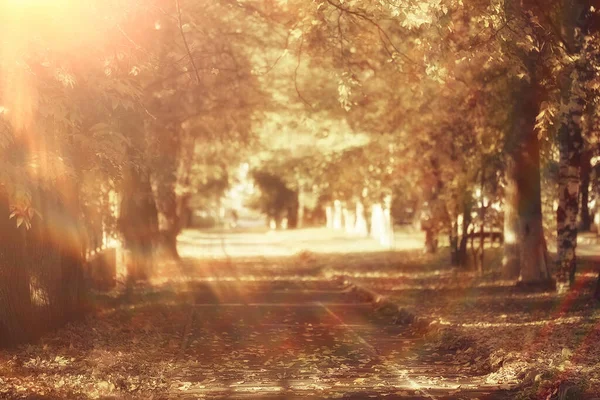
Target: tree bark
x,y
511,260
523,219
138,223
585,219
570,144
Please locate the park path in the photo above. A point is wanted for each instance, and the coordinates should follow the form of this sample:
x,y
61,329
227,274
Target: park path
x,y
272,328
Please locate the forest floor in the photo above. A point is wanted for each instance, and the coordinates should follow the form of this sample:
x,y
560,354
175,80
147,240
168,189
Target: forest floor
x,y
317,314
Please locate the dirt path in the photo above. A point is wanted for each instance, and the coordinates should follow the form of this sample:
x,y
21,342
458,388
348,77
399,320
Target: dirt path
x,y
316,339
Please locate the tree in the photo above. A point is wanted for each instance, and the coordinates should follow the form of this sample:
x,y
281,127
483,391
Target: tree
x,y
58,102
577,28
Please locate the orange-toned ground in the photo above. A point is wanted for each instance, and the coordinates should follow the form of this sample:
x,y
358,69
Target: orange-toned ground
x,y
298,315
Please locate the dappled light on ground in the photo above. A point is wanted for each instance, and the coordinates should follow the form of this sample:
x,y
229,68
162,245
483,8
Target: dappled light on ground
x,y
379,324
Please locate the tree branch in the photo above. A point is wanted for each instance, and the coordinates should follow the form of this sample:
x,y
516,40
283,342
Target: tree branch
x,y
187,47
339,25
369,20
296,73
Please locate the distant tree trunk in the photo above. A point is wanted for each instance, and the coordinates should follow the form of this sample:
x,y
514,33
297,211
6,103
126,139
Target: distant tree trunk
x,y
482,212
164,177
169,221
431,241
292,211
429,226
381,227
360,227
511,262
349,219
387,239
462,248
337,215
462,227
301,206
455,259
138,222
585,222
329,216
523,198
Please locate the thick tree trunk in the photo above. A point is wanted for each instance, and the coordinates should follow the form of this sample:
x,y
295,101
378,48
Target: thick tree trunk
x,y
138,222
533,251
523,192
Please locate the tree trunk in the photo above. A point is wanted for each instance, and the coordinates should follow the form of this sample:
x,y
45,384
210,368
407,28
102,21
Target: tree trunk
x,y
510,262
360,227
337,215
329,216
464,222
523,210
387,238
138,222
165,176
454,244
482,212
570,145
429,226
431,241
301,206
585,218
169,219
377,221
